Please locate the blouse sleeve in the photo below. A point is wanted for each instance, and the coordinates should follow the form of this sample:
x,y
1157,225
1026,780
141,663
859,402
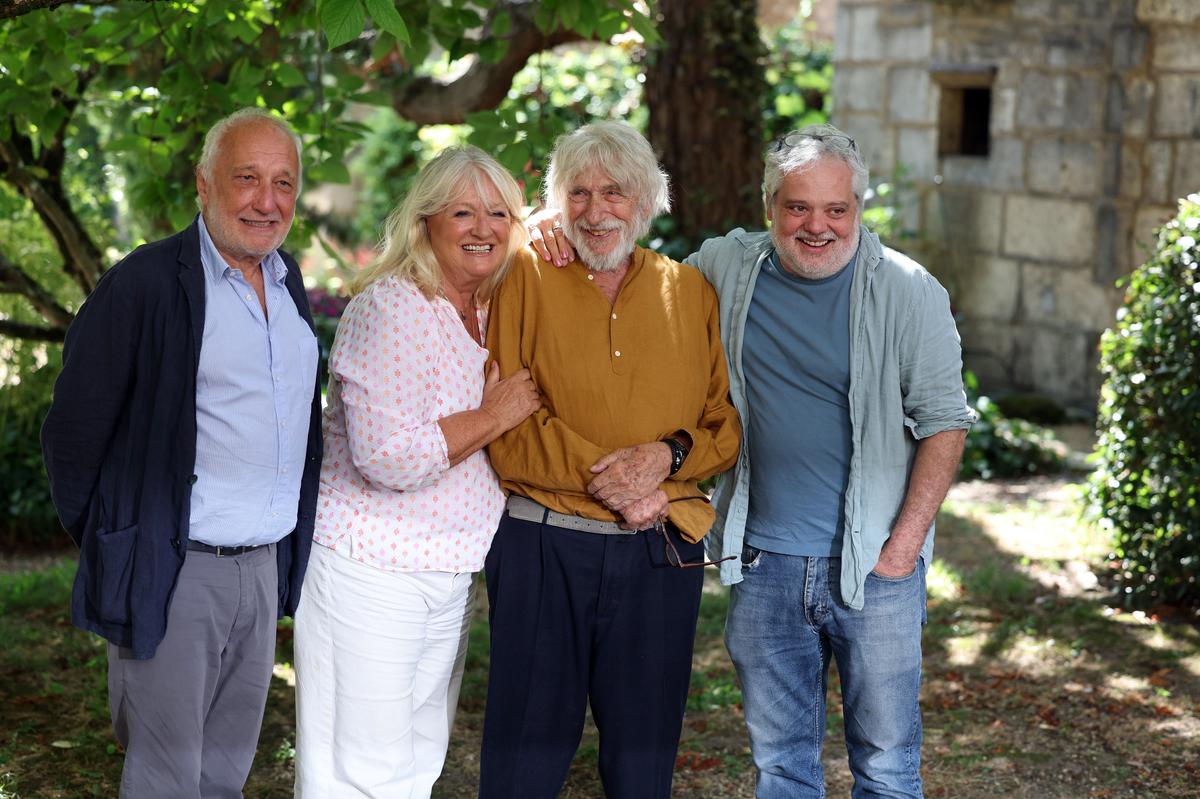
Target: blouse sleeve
x,y
384,360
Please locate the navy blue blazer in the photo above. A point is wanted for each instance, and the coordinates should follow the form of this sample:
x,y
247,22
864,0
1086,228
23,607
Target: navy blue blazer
x,y
119,442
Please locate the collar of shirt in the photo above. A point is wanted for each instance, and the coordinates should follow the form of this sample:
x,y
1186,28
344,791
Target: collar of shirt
x,y
772,263
216,266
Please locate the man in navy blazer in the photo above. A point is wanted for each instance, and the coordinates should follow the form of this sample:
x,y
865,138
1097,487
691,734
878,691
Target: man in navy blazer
x,y
183,448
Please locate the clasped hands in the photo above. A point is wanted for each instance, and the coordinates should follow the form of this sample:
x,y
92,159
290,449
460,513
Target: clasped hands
x,y
627,482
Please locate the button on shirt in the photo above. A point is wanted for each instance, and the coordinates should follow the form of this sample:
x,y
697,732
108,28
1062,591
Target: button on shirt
x,y
253,400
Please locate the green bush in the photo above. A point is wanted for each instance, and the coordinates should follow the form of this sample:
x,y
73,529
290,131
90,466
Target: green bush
x,y
27,513
1147,486
1001,447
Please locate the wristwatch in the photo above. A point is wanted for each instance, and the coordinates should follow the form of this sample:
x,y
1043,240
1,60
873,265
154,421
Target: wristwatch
x,y
679,453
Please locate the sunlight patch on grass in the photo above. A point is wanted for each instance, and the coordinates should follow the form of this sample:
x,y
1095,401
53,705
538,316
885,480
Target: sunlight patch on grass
x,y
942,581
285,672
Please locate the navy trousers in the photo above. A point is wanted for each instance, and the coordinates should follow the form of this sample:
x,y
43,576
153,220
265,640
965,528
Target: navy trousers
x,y
578,616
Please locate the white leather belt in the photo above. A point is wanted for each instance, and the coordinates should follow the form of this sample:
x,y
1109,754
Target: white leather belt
x,y
527,510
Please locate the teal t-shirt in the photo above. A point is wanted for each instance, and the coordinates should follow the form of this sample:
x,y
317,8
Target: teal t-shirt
x,y
796,360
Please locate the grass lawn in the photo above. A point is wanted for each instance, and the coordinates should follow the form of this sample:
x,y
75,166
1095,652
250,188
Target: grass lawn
x,y
1034,687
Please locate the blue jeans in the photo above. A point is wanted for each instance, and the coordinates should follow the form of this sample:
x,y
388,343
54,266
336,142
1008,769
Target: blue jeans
x,y
786,619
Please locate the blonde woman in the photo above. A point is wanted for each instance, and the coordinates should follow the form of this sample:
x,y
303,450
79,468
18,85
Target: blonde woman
x,y
408,502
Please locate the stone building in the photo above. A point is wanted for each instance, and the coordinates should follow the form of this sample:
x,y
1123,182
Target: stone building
x,y
1038,143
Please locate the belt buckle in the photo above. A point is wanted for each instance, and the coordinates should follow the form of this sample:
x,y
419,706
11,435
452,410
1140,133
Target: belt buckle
x,y
218,552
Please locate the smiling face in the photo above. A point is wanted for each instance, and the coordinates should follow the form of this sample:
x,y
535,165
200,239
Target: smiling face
x,y
814,220
603,220
249,200
469,237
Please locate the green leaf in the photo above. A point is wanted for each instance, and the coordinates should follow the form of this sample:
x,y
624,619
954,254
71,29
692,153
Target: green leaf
x,y
341,20
288,75
331,171
387,17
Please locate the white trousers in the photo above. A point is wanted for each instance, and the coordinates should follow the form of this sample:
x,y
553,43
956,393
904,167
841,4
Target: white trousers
x,y
379,661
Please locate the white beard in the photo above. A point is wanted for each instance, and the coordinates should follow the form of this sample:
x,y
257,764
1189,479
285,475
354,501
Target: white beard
x,y
611,260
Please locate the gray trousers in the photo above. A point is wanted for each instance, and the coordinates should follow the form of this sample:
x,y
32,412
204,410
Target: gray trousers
x,y
189,717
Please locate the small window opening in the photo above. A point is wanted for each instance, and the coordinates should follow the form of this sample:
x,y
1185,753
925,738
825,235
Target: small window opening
x,y
965,112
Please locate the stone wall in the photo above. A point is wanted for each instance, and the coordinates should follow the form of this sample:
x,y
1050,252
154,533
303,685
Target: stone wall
x,y
1094,134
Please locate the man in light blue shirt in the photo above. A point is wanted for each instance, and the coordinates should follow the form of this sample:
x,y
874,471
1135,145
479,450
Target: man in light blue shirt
x,y
183,449
846,368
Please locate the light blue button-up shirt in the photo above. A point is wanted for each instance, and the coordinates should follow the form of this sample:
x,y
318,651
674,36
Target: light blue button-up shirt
x,y
253,402
905,385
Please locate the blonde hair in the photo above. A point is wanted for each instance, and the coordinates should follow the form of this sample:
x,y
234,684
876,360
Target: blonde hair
x,y
406,251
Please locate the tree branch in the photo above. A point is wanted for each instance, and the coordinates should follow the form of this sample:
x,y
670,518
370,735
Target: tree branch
x,y
16,280
428,101
30,332
17,8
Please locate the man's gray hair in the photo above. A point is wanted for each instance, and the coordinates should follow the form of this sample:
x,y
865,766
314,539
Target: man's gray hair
x,y
800,149
620,152
246,116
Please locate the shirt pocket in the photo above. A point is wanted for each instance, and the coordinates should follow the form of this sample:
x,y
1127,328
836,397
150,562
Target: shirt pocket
x,y
306,363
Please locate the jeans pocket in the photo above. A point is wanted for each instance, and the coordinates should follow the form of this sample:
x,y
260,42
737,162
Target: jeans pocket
x,y
112,573
885,579
751,557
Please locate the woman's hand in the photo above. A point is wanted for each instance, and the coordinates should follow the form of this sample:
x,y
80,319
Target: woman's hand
x,y
511,400
548,238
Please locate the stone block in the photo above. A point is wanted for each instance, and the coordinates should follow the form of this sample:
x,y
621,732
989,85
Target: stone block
x,y
843,23
1003,168
1004,110
1058,362
1157,162
1077,47
1187,169
875,138
1177,48
1136,98
1049,229
1060,101
906,14
910,95
859,88
1129,172
1059,166
916,152
1068,297
989,288
1146,222
1177,106
1129,46
1115,223
864,40
1181,12
907,42
965,221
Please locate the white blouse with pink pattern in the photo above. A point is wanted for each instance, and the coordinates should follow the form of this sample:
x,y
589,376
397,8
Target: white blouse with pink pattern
x,y
388,495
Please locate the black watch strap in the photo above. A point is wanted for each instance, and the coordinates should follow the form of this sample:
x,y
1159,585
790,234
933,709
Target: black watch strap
x,y
678,454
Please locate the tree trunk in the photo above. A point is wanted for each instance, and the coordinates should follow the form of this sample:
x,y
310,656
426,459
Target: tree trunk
x,y
704,91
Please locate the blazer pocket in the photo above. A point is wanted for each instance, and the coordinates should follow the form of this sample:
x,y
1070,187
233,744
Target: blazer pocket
x,y
112,576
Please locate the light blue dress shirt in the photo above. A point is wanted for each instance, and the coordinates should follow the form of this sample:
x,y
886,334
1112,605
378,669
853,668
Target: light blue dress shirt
x,y
254,391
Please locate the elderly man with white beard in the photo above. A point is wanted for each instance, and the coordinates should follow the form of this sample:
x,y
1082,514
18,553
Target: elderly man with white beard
x,y
591,584
846,368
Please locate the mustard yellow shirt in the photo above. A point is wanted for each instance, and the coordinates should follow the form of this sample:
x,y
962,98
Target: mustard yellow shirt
x,y
612,376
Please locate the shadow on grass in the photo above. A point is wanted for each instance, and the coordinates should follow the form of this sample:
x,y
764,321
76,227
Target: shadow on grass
x,y
1022,674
